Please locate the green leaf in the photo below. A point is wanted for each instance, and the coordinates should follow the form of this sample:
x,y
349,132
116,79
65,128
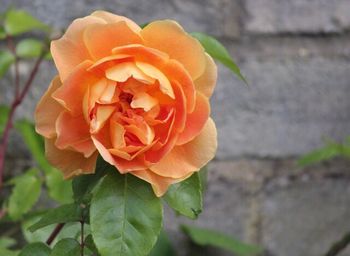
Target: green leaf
x,y
19,21
34,142
143,25
58,188
6,60
204,237
66,247
69,230
7,252
163,246
62,214
203,176
328,152
4,112
125,216
29,48
84,184
6,242
186,197
2,33
216,50
90,244
35,249
25,194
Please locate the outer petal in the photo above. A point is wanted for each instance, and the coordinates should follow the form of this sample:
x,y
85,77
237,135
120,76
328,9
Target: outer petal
x,y
100,39
196,120
159,184
190,157
71,163
112,18
206,82
71,93
73,132
47,111
70,50
169,36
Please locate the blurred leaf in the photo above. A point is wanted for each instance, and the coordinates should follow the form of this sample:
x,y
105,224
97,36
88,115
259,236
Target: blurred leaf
x,y
25,194
62,214
163,246
328,152
84,184
29,48
205,237
7,252
66,247
2,33
4,113
19,21
35,249
186,197
131,211
89,243
34,142
59,189
48,56
216,50
6,59
6,242
41,235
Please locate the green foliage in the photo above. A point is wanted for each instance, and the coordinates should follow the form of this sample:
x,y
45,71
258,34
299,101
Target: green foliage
x,y
6,242
66,247
58,188
84,184
62,214
19,21
186,197
90,244
329,151
7,252
163,246
205,237
26,192
29,48
2,33
4,112
130,210
36,249
216,50
6,60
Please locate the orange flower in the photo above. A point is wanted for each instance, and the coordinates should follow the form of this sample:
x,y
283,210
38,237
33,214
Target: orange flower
x,y
138,97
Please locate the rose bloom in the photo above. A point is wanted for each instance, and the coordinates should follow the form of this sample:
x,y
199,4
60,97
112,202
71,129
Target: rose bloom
x,y
138,97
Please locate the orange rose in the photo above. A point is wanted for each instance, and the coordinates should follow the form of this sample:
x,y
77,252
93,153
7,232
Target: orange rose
x,y
138,97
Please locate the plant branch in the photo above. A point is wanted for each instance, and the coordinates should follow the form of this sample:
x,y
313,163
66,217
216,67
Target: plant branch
x,y
54,233
82,244
15,103
339,245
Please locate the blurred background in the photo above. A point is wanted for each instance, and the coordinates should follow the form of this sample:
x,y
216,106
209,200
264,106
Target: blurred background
x,y
295,55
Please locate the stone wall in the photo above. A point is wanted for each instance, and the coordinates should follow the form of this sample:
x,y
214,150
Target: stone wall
x,y
296,57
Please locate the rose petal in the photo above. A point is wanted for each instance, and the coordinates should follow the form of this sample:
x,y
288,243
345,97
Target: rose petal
x,y
117,34
70,50
73,132
168,36
196,120
159,184
143,100
190,157
112,18
71,93
206,82
69,162
44,122
122,71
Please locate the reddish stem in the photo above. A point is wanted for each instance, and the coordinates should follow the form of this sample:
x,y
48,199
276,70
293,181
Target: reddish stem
x,y
54,233
15,103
